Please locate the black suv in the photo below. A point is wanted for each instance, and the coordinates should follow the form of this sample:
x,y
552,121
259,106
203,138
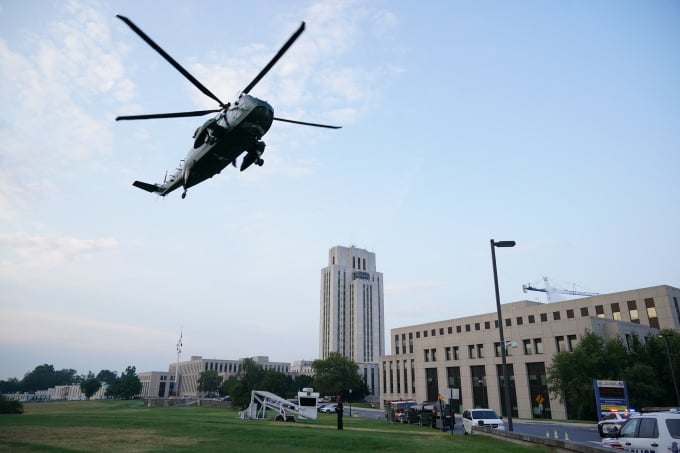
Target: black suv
x,y
444,419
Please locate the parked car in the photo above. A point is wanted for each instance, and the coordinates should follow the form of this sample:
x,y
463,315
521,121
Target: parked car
x,y
421,414
443,417
398,410
612,420
415,413
328,408
653,431
481,417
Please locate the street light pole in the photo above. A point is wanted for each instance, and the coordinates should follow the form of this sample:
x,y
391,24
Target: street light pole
x,y
670,362
504,362
350,403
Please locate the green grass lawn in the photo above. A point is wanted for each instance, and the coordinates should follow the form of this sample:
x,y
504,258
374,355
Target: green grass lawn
x,y
126,426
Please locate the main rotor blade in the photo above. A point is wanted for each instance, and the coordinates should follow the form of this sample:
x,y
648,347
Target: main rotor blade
x,y
304,123
166,115
276,58
169,59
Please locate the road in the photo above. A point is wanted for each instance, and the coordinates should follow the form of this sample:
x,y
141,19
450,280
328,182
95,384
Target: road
x,y
574,432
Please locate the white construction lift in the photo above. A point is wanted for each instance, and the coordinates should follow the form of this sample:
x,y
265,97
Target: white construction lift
x,y
261,400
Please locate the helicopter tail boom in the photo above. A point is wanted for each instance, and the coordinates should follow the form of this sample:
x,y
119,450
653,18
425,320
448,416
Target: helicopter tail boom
x,y
146,186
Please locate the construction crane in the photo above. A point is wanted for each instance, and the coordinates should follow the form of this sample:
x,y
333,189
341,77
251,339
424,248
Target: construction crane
x,y
548,290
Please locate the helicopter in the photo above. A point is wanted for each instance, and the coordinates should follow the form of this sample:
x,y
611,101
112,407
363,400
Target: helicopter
x,y
236,128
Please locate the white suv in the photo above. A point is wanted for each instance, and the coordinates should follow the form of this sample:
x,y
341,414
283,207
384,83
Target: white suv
x,y
481,417
653,431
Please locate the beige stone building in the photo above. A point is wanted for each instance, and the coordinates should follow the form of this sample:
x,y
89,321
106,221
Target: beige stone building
x,y
465,353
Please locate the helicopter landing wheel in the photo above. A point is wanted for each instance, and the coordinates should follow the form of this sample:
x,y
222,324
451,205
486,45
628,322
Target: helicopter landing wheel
x,y
259,162
184,195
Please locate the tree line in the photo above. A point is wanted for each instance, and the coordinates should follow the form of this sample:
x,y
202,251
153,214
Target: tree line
x,y
643,363
45,376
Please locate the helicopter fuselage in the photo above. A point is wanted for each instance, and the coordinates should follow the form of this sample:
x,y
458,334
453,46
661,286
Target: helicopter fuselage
x,y
220,141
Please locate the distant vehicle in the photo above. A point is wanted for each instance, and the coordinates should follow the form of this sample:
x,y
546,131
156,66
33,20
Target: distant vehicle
x,y
443,417
420,414
398,410
481,417
648,432
612,422
328,408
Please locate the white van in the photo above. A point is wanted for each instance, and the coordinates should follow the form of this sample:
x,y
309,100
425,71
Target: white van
x,y
481,417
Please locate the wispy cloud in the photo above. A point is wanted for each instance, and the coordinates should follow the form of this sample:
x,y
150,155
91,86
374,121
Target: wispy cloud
x,y
76,333
21,253
57,77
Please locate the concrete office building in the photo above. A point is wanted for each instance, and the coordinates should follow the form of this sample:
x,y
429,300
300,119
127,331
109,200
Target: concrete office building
x,y
465,353
161,384
352,312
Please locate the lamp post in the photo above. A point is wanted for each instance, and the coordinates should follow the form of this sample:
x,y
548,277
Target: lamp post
x,y
666,336
350,402
504,362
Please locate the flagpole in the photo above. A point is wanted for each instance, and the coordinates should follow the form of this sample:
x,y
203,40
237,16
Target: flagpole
x,y
179,351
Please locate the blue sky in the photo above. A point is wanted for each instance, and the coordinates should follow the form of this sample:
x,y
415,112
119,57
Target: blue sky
x,y
554,124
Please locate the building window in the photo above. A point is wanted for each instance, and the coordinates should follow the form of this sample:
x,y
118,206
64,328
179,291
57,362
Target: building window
x,y
433,332
520,321
495,324
584,312
544,317
458,329
413,376
471,351
477,326
410,342
480,351
447,352
467,327
651,313
396,344
532,319
616,311
418,334
556,316
633,312
559,343
497,349
450,330
424,333
538,345
571,342
528,349
441,331
508,322
434,354
427,355
570,314
487,325
599,311
455,353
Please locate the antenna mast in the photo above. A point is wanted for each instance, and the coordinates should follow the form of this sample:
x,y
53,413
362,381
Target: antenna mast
x,y
179,351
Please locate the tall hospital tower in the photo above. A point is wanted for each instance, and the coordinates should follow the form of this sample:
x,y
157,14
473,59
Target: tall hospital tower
x,y
352,315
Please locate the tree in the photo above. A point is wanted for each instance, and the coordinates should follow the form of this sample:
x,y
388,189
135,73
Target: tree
x,y
127,386
642,363
89,385
571,374
106,376
10,406
209,381
45,376
11,385
336,375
